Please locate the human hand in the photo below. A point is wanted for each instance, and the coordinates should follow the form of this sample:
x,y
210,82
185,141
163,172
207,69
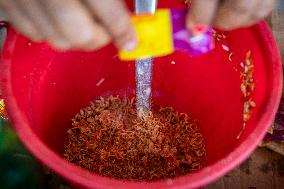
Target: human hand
x,y
227,14
72,24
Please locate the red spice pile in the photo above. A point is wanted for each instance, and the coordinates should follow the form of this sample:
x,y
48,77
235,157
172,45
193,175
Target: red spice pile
x,y
108,139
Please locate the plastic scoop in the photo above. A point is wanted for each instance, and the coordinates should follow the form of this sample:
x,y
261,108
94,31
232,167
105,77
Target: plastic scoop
x,y
164,32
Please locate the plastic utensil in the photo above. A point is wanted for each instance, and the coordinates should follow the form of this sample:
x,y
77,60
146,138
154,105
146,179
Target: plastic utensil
x,y
144,66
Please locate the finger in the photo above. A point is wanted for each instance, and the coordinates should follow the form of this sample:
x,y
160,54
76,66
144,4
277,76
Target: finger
x,y
262,10
36,13
19,20
233,14
76,24
114,15
201,14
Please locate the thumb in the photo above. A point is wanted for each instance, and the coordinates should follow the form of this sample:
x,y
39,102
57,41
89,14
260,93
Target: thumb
x,y
114,15
201,15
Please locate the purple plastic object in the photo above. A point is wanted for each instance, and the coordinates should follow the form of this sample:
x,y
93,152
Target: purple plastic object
x,y
278,129
184,40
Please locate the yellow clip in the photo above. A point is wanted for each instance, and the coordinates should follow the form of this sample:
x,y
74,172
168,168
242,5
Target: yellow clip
x,y
2,105
2,108
154,36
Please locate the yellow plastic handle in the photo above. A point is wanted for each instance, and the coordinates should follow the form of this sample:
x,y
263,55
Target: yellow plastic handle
x,y
154,36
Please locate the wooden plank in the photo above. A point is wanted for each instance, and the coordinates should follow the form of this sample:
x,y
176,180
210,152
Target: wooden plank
x,y
277,167
264,169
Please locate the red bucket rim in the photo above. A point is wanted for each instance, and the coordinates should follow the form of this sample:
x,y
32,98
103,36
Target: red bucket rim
x,y
84,178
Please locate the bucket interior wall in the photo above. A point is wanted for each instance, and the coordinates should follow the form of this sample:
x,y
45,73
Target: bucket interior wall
x,y
51,87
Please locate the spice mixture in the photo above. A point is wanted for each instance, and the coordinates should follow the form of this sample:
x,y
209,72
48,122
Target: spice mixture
x,y
108,139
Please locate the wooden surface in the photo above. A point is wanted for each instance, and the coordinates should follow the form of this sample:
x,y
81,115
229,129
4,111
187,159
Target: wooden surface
x,y
264,169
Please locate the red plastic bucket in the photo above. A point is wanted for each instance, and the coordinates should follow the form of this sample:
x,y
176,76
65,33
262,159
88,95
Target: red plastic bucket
x,y
44,89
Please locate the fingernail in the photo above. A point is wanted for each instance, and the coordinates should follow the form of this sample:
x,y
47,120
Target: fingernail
x,y
199,29
130,45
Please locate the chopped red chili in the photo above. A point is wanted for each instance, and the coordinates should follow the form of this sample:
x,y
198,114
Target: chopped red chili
x,y
107,138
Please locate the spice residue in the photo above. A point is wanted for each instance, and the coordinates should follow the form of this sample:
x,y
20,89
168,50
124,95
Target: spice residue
x,y
225,47
107,139
247,88
100,82
246,71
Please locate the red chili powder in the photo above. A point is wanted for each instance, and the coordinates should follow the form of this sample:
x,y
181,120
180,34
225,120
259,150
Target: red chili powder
x,y
107,138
